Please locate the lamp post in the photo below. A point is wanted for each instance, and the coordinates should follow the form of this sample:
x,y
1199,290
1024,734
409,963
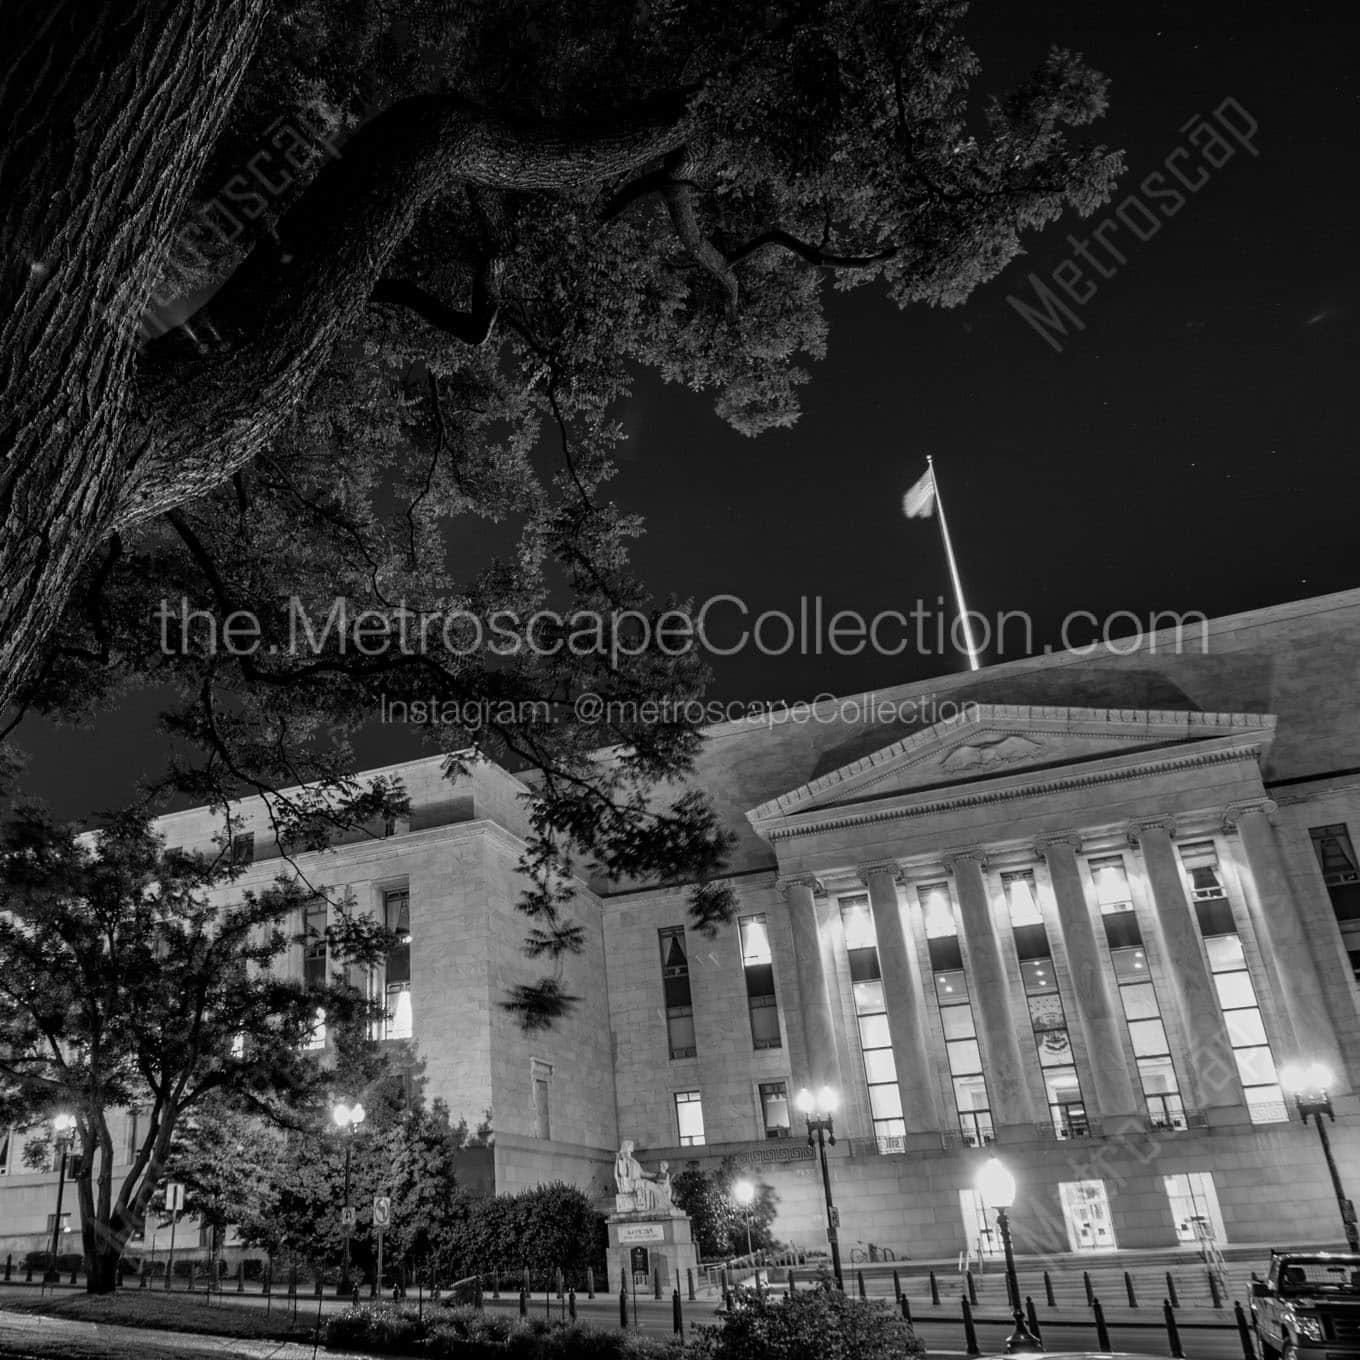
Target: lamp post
x,y
996,1185
744,1192
348,1117
817,1110
1308,1085
63,1126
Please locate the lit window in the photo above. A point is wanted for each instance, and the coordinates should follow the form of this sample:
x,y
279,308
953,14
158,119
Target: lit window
x,y
316,1036
758,964
397,975
755,940
1111,881
1021,898
774,1108
880,1066
937,910
689,1118
858,921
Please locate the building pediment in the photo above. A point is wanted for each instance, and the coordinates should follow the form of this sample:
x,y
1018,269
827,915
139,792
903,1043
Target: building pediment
x,y
986,743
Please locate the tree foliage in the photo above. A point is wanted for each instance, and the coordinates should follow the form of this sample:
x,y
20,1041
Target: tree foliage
x,y
351,307
136,978
717,1220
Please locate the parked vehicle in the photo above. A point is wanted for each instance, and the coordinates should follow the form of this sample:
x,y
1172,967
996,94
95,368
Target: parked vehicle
x,y
1309,1302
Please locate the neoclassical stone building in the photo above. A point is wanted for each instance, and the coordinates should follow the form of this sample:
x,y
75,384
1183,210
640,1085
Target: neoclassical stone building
x,y
1080,921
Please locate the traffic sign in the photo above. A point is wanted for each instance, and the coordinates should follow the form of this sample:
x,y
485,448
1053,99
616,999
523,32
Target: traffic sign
x,y
347,1216
174,1196
382,1212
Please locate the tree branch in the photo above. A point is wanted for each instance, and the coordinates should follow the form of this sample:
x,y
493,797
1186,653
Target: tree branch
x,y
812,254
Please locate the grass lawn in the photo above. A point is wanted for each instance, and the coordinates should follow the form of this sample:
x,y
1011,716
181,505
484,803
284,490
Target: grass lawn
x,y
172,1312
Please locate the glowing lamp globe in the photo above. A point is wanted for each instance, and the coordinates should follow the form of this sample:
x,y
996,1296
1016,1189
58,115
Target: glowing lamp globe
x,y
996,1185
744,1192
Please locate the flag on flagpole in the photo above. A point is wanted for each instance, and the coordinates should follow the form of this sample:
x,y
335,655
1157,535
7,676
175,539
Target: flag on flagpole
x,y
919,502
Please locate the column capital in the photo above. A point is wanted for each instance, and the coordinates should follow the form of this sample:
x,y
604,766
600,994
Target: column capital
x,y
1070,840
784,884
864,872
965,854
1234,812
1140,826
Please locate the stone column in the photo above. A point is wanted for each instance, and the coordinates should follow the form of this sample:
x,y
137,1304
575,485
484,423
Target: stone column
x,y
1098,1012
989,990
905,998
1289,964
819,1031
1210,1068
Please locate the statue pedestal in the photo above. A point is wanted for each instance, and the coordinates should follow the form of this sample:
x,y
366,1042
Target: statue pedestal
x,y
644,1243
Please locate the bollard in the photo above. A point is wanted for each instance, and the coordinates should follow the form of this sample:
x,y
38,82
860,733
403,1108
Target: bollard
x,y
623,1306
241,1276
969,1331
859,1280
571,1304
560,1292
1128,1288
168,1274
141,1282
266,1283
904,1304
677,1318
656,1282
1213,1290
9,1266
73,1274
523,1302
689,1279
1102,1331
318,1284
934,1289
495,1284
1173,1333
1032,1317
478,1298
897,1284
1244,1331
972,1288
1090,1293
590,1282
1048,1290
1171,1291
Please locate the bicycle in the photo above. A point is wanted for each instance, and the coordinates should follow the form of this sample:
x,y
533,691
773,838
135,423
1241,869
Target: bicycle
x,y
863,1252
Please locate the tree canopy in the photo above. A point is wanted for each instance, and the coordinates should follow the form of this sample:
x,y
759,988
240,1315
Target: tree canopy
x,y
137,979
311,301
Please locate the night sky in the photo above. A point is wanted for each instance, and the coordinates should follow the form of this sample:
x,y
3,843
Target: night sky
x,y
1190,449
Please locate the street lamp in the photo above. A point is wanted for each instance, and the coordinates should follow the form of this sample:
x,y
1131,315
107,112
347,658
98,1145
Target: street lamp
x,y
348,1117
817,1110
1308,1085
996,1185
63,1126
744,1192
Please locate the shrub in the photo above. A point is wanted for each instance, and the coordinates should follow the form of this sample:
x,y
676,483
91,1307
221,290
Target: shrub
x,y
812,1325
381,1331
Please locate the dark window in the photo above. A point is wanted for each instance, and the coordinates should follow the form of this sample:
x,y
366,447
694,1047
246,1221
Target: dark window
x,y
1031,942
1340,872
675,986
243,849
1215,916
1354,956
314,942
1121,930
945,954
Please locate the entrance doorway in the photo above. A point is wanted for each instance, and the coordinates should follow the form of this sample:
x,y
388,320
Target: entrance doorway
x,y
1194,1208
1086,1208
979,1226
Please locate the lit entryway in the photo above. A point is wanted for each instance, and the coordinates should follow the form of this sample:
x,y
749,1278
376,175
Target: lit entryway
x,y
1086,1207
979,1225
1194,1207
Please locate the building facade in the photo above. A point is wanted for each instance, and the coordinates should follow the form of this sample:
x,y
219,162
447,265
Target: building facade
x,y
1077,911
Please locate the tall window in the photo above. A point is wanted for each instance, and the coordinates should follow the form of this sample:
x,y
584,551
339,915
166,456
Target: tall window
x,y
1048,1020
675,984
6,1140
314,962
866,980
1340,869
758,964
540,1074
397,974
956,1015
1138,995
689,1118
774,1108
1233,984
243,849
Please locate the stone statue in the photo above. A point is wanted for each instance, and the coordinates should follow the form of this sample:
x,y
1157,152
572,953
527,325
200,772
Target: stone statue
x,y
635,1190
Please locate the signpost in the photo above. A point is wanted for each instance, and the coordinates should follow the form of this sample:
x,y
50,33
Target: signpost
x,y
382,1218
174,1202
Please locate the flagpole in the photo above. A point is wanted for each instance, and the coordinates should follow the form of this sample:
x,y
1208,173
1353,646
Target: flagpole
x,y
973,663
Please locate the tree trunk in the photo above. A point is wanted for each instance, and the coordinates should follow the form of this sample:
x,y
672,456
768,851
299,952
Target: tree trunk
x,y
108,113
103,1268
99,435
